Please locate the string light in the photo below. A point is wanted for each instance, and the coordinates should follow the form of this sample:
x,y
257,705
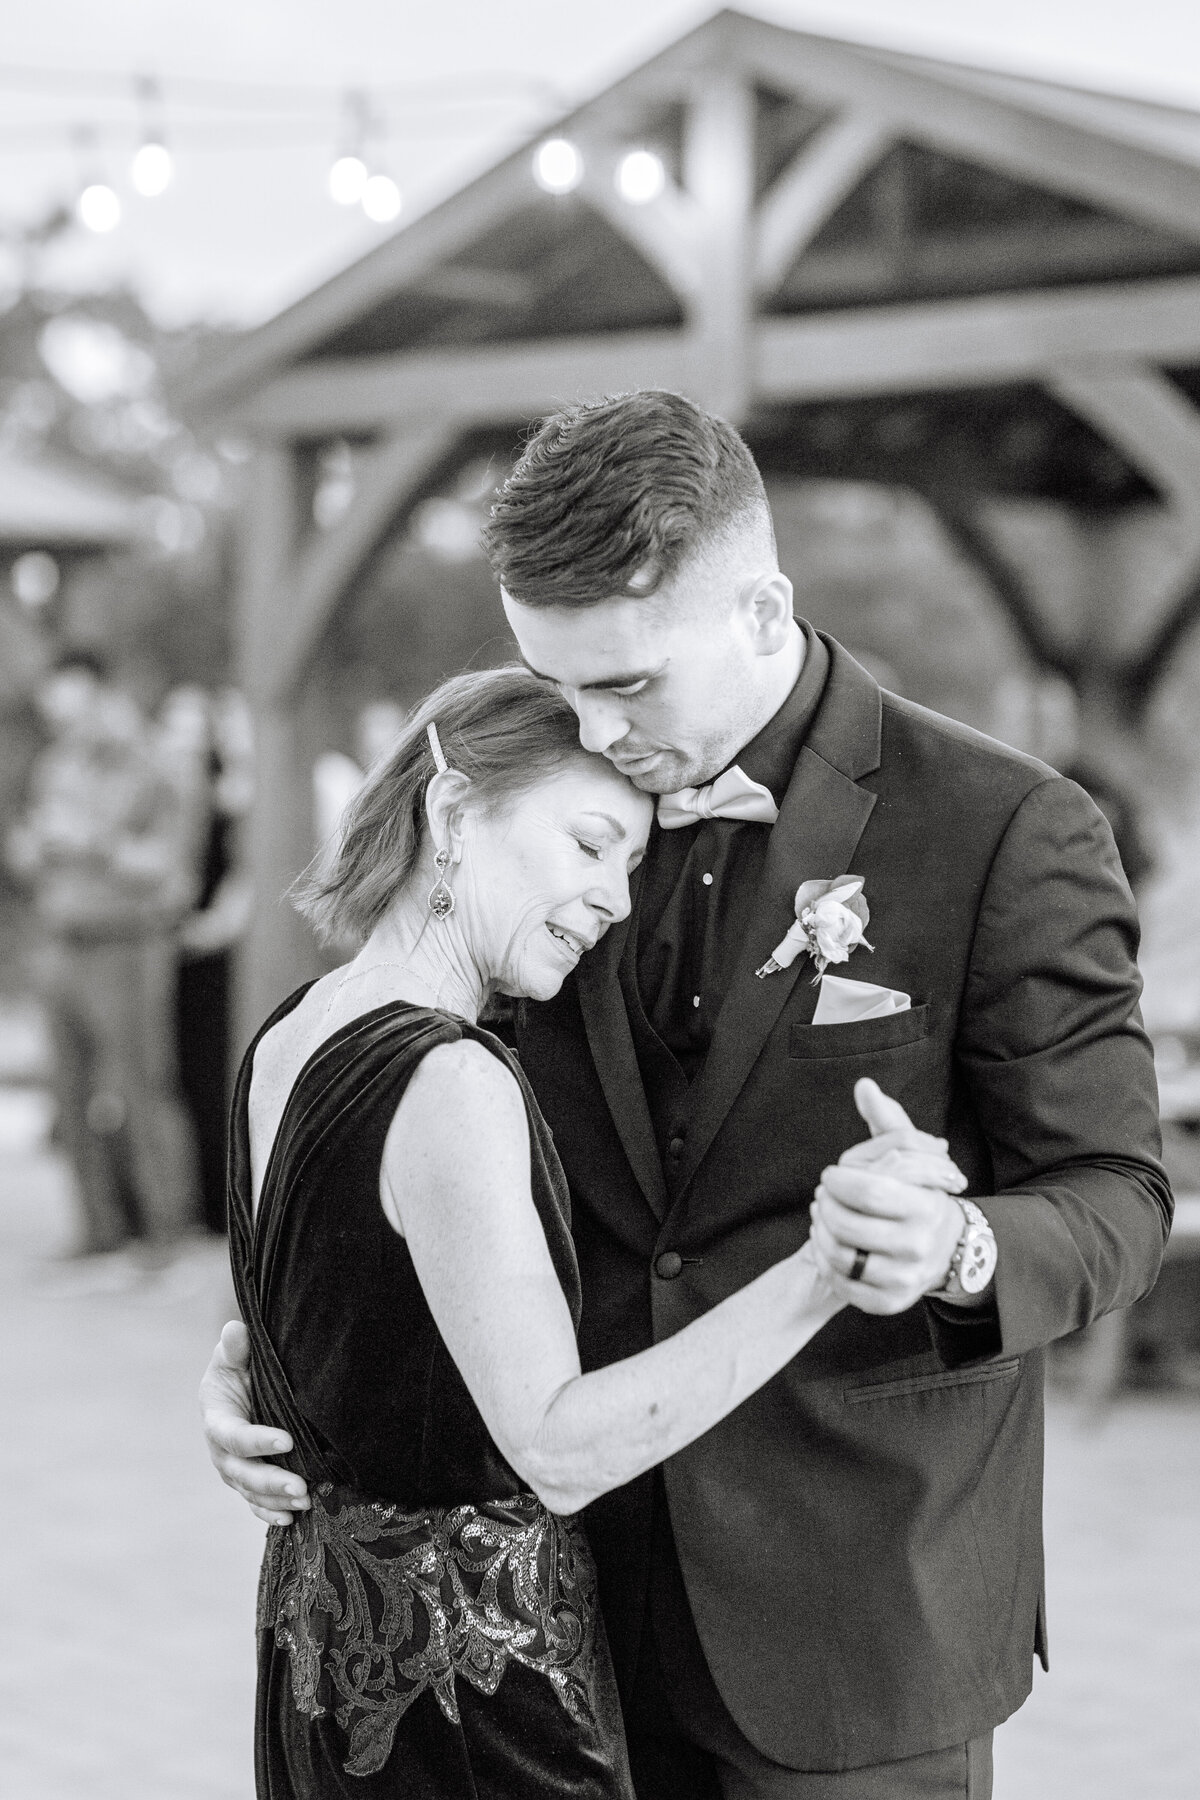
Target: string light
x,y
349,174
291,114
151,170
641,177
381,199
347,179
557,166
98,207
152,166
34,578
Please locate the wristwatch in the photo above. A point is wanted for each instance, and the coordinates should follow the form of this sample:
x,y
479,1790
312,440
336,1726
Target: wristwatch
x,y
974,1261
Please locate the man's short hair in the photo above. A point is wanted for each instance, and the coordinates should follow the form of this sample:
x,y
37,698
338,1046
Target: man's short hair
x,y
611,496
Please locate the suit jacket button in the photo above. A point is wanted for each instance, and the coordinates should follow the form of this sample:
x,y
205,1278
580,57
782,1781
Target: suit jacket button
x,y
668,1265
675,1149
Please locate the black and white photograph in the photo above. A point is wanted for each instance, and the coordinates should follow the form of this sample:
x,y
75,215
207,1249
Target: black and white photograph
x,y
600,900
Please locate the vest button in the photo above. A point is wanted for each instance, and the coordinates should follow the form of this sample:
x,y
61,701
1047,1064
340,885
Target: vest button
x,y
668,1265
675,1149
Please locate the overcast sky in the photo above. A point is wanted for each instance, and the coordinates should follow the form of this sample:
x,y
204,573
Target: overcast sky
x,y
247,224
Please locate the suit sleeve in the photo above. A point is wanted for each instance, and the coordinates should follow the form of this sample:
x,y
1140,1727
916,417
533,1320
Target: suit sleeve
x,y
1060,1075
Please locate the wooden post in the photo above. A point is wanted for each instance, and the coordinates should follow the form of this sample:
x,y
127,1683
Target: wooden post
x,y
719,175
278,951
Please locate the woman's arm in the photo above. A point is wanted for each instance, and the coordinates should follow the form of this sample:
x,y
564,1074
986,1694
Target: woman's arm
x,y
455,1183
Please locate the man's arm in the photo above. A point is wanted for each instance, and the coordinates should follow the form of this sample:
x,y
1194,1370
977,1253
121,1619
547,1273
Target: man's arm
x,y
1061,1077
235,1444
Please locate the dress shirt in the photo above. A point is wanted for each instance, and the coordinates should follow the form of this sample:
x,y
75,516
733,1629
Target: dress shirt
x,y
698,889
700,883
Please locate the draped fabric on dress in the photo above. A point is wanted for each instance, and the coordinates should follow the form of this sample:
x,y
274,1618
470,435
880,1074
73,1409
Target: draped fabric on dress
x,y
428,1628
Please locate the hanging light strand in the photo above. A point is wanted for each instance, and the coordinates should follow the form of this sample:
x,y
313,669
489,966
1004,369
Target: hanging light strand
x,y
348,172
152,167
220,115
97,206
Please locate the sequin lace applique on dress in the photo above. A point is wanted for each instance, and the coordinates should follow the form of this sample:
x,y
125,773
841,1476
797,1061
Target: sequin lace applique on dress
x,y
374,1605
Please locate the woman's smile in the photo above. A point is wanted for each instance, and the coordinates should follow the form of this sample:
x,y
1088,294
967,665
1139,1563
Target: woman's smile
x,y
570,941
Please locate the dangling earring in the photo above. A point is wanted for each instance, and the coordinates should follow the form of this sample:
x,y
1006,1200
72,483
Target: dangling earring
x,y
441,900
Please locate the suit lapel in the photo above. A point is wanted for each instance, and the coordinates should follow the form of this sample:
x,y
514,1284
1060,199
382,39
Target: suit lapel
x,y
823,816
611,1042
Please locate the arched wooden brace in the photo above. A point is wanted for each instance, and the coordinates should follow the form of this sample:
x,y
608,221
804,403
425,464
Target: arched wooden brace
x,y
285,603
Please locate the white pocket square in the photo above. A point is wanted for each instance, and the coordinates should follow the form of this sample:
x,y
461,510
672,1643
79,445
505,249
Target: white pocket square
x,y
842,1002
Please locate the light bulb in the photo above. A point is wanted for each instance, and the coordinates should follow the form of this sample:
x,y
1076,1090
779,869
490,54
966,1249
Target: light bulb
x,y
99,208
347,179
640,177
557,166
34,578
151,170
380,199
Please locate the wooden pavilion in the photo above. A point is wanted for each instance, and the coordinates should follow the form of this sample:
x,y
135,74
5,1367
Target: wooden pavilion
x,y
880,266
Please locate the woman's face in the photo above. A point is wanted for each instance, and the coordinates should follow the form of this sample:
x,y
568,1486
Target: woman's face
x,y
541,880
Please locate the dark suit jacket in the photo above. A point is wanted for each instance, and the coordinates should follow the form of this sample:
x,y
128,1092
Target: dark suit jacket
x,y
861,1540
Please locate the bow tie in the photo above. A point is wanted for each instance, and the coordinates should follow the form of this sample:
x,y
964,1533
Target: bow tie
x,y
731,796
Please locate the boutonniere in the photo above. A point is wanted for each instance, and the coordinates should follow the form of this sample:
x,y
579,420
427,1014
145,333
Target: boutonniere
x,y
831,921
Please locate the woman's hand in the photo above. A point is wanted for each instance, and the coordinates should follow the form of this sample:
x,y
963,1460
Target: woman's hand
x,y
235,1444
890,1199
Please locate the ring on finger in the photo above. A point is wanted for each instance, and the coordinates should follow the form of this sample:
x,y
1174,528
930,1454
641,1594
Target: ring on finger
x,y
858,1265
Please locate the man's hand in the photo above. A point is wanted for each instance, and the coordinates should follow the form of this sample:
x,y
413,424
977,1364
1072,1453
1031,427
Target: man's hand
x,y
890,1197
234,1443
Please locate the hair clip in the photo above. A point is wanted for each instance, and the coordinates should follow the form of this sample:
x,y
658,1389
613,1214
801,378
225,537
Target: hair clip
x,y
435,745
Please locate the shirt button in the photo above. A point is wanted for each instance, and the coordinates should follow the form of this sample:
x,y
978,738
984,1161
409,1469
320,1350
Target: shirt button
x,y
668,1265
675,1148
707,880
695,999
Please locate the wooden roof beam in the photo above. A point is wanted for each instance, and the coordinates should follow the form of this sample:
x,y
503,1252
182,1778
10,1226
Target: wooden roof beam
x,y
810,189
1158,429
1014,256
1003,134
1151,421
868,350
718,170
398,263
981,341
665,232
496,383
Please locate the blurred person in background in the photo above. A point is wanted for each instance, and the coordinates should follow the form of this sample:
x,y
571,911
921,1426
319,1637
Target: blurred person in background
x,y
216,731
107,846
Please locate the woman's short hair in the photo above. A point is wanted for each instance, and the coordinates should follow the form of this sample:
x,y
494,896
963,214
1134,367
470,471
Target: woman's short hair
x,y
504,729
611,496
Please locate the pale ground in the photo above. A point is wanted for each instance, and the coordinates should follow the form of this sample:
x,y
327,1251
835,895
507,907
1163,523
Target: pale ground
x,y
128,1571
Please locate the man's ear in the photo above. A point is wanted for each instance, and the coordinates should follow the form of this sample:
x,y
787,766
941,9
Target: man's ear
x,y
445,802
768,600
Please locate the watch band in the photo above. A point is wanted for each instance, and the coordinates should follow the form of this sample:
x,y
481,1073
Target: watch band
x,y
977,1239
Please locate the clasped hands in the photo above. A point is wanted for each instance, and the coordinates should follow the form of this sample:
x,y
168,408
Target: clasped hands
x,y
888,1199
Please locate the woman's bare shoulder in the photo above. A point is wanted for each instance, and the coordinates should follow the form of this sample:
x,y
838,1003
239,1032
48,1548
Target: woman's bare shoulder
x,y
459,1128
282,1052
464,1073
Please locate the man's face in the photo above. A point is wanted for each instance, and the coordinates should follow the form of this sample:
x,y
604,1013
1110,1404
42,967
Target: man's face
x,y
663,687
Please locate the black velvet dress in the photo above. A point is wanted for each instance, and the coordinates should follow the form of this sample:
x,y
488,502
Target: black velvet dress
x,y
428,1629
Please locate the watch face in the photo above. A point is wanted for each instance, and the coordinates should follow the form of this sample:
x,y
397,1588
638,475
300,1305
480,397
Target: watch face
x,y
978,1261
